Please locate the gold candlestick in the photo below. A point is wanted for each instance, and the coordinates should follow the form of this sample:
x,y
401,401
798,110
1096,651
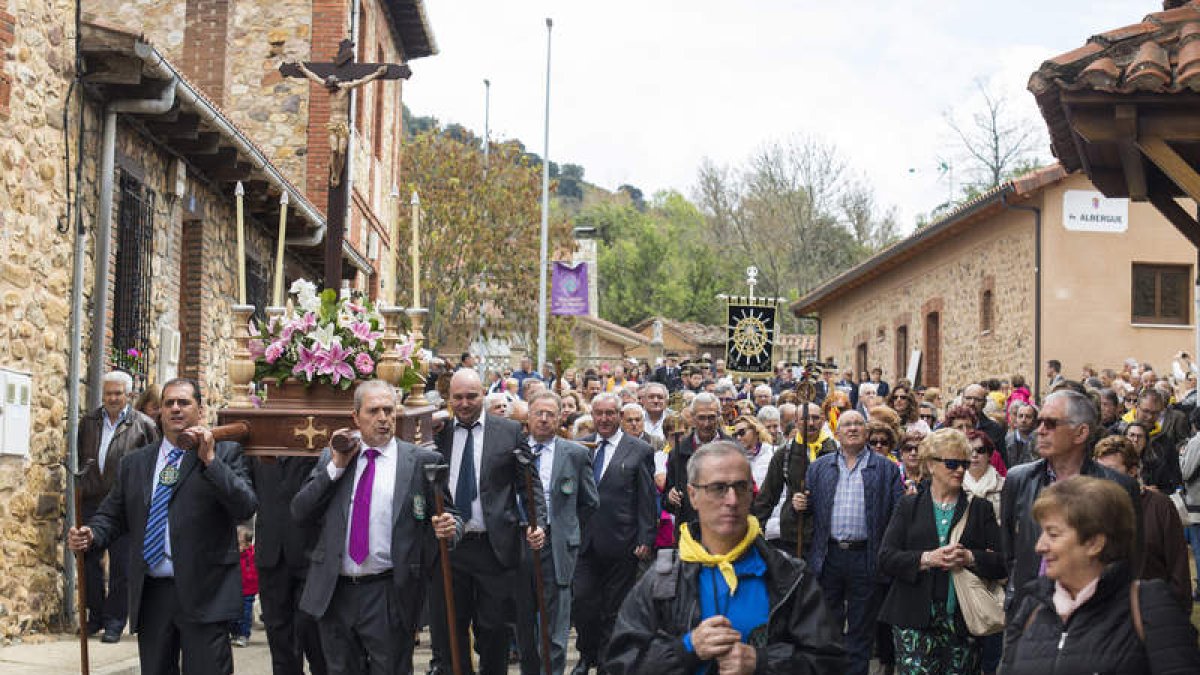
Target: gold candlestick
x,y
241,366
416,318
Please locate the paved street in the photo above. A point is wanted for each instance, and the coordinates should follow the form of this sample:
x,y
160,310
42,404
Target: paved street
x,y
59,654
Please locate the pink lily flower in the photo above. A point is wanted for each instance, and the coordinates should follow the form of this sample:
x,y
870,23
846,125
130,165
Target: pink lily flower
x,y
306,363
362,331
332,362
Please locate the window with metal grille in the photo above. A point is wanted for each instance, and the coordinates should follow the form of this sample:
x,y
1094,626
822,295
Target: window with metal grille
x,y
131,293
1161,294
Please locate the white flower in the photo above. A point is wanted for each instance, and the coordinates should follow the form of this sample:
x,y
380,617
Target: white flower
x,y
306,295
323,336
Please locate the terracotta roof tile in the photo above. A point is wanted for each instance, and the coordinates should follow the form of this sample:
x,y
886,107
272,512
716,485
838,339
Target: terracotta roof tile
x,y
1101,73
1154,55
1150,69
1112,37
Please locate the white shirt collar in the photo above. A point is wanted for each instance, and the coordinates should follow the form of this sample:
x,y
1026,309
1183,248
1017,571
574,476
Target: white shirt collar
x,y
614,439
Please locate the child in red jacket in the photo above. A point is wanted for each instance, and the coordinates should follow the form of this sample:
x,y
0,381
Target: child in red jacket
x,y
239,631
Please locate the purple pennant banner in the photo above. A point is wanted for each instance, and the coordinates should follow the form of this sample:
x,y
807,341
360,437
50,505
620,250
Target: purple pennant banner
x,y
569,289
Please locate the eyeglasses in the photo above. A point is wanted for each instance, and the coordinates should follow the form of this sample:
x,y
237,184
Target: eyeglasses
x,y
910,448
981,450
878,443
1131,399
929,417
953,464
718,490
1051,423
742,431
978,399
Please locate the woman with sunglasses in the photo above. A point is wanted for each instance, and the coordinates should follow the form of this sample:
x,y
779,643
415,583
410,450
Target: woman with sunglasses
x,y
982,481
929,633
904,403
756,444
910,462
883,439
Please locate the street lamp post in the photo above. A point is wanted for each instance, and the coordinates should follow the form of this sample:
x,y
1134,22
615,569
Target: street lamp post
x,y
545,263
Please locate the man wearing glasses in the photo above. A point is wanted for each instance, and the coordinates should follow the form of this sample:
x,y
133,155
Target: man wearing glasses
x,y
1063,432
725,573
852,493
975,396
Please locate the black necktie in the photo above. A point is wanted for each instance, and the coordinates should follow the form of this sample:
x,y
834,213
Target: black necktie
x,y
598,461
465,491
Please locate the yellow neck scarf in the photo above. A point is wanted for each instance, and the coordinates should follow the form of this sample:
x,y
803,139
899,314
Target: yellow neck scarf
x,y
693,551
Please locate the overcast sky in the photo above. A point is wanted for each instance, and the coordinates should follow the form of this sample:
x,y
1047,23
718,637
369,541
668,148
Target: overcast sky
x,y
642,91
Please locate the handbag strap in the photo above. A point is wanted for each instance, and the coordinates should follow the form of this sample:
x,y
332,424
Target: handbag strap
x,y
961,525
1135,609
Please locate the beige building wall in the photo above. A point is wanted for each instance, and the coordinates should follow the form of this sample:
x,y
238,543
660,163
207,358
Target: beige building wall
x,y
1087,299
948,277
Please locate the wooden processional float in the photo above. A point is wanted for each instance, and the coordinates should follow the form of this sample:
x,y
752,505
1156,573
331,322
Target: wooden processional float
x,y
296,419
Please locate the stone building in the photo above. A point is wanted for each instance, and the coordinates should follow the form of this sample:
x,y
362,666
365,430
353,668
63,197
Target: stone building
x,y
1043,267
176,105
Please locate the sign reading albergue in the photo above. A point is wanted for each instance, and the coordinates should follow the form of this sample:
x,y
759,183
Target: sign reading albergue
x,y
1091,211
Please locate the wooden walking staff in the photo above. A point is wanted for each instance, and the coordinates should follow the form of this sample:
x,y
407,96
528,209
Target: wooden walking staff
x,y
434,475
81,572
525,458
805,392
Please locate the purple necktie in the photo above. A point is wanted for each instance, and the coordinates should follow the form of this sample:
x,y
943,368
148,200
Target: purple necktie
x,y
360,514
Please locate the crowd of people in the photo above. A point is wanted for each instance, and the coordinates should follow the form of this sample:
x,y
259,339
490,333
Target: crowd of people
x,y
687,519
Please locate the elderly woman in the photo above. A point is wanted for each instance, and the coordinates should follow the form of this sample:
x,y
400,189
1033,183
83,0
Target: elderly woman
x,y
1164,552
929,632
883,439
982,480
910,461
964,419
1083,615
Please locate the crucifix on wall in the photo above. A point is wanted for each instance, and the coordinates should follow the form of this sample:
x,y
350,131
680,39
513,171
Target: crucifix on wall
x,y
340,78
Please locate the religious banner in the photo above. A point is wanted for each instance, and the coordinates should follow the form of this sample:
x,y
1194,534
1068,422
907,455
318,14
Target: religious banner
x,y
750,338
569,289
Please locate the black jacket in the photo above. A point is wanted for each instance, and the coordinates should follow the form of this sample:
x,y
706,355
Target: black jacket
x,y
1019,531
912,532
781,479
1160,463
1099,636
280,543
802,636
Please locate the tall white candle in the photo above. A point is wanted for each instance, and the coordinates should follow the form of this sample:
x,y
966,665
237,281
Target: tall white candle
x,y
240,193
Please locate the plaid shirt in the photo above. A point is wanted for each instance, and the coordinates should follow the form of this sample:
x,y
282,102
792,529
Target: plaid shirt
x,y
848,521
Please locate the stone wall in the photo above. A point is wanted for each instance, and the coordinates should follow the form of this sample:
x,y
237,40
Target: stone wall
x,y
949,277
35,269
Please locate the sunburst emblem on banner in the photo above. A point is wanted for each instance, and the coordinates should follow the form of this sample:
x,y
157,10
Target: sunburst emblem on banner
x,y
751,337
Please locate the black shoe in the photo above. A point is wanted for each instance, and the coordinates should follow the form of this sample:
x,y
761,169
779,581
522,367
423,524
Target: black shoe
x,y
111,637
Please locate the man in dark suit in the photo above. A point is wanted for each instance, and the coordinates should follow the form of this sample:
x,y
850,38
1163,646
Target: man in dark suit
x,y
571,498
486,479
377,542
114,430
669,374
181,510
281,550
618,536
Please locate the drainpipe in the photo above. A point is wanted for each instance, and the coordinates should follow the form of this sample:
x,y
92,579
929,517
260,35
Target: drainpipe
x,y
1037,289
108,142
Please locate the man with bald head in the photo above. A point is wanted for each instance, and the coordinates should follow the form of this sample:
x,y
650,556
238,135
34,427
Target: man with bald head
x,y
485,481
852,493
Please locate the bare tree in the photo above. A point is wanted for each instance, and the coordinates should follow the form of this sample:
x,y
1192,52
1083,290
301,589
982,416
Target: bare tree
x,y
996,143
793,210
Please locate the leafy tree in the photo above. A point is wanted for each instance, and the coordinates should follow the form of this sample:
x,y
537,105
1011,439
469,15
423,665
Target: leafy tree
x,y
480,236
657,262
570,182
414,125
635,196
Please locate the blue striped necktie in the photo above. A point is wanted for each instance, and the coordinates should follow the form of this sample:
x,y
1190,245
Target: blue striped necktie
x,y
154,548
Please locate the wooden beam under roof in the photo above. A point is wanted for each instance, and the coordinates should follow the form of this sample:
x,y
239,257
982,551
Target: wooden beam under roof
x,y
1170,163
1096,125
1125,125
1173,212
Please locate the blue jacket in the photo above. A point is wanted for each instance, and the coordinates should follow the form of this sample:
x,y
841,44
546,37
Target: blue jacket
x,y
882,489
